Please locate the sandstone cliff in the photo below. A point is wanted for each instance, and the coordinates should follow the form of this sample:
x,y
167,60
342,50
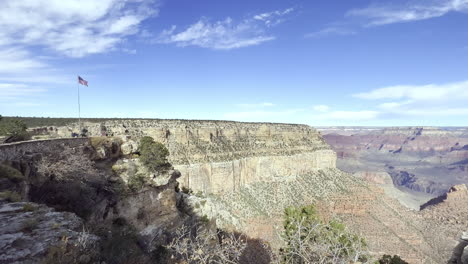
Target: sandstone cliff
x,y
221,156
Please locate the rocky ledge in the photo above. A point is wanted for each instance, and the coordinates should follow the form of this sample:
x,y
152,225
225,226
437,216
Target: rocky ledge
x,y
31,233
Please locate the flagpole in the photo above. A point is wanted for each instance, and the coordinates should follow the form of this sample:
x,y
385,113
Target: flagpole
x,y
79,109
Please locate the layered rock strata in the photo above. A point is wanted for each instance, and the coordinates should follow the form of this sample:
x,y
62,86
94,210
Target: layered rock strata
x,y
221,156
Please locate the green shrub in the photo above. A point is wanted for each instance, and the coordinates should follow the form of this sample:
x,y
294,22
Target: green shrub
x,y
153,154
137,181
10,173
16,129
387,259
10,196
308,239
204,219
187,190
29,208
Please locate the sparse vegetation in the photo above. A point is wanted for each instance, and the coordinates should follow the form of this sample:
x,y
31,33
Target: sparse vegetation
x,y
66,253
137,181
153,154
66,164
14,129
29,207
201,245
10,173
187,190
310,240
29,225
10,196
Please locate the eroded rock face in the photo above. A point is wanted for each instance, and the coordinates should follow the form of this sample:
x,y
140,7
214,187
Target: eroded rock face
x,y
192,141
447,214
153,212
220,156
28,231
221,177
75,178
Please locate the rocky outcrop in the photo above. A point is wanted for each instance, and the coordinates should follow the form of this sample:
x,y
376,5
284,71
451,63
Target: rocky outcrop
x,y
75,175
410,181
153,212
33,233
220,156
445,217
460,252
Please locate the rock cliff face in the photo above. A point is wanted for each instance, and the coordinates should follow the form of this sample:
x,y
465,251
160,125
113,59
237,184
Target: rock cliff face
x,y
74,175
221,156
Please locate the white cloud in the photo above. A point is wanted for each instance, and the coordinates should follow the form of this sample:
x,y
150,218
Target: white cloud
x,y
321,108
225,34
13,60
75,28
17,64
425,102
331,31
412,11
418,92
273,18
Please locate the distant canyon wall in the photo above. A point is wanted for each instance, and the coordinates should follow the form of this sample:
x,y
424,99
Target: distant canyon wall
x,y
423,159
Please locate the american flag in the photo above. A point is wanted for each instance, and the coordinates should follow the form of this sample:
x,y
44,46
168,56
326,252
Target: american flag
x,y
82,81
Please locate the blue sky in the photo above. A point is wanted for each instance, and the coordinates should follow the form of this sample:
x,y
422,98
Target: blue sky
x,y
386,63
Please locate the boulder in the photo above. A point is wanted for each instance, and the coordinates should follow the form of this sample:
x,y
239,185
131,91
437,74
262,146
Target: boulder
x,y
129,147
33,233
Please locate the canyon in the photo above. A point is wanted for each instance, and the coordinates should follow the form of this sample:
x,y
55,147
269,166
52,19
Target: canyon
x,y
422,162
242,176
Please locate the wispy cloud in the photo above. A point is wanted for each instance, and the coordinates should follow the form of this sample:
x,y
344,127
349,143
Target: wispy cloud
x,y
331,31
13,60
17,64
75,28
419,92
422,101
273,18
225,34
382,14
19,95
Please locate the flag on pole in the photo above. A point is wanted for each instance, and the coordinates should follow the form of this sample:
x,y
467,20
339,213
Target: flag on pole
x,y
82,81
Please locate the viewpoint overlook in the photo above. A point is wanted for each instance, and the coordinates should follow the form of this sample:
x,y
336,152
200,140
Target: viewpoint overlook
x,y
237,176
